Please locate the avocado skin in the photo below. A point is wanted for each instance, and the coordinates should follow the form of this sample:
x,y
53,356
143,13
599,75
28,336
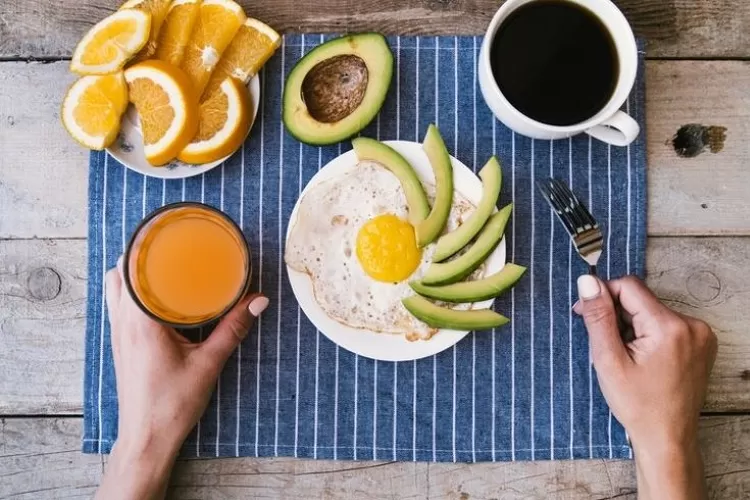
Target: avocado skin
x,y
492,178
445,273
473,291
442,317
370,149
430,228
337,134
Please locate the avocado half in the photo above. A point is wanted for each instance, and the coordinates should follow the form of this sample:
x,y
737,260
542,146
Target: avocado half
x,y
442,317
335,90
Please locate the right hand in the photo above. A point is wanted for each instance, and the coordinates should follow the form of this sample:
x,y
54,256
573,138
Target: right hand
x,y
655,385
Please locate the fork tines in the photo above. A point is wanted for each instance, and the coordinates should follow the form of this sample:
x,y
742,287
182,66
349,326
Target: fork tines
x,y
578,221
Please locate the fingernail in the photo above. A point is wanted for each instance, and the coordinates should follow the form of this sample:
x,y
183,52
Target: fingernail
x,y
588,287
257,306
575,304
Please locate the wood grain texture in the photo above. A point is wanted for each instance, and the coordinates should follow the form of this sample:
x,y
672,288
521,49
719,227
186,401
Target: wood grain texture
x,y
39,459
674,28
41,351
43,183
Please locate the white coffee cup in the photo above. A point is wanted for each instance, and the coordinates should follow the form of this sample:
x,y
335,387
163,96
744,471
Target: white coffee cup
x,y
610,124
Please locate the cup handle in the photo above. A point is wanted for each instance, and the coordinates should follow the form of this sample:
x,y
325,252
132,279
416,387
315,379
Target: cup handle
x,y
619,130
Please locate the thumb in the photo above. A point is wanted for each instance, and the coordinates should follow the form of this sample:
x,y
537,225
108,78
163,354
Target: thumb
x,y
233,328
599,315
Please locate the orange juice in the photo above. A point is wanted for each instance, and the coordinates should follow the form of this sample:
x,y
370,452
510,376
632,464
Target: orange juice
x,y
187,264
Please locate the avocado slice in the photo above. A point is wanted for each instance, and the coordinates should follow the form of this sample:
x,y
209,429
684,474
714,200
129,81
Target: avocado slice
x,y
442,317
473,291
335,90
450,243
430,228
370,149
445,273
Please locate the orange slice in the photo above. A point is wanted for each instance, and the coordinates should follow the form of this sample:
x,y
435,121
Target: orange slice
x,y
111,43
253,45
217,23
224,124
167,107
158,10
176,30
93,107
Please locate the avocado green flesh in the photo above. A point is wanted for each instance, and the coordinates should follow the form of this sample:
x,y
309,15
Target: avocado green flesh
x,y
372,150
442,317
445,273
374,51
429,229
473,291
449,244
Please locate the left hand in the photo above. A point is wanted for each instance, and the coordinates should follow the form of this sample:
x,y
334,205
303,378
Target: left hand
x,y
164,381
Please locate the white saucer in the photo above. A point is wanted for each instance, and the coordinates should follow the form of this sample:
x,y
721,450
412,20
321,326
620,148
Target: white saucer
x,y
367,343
128,148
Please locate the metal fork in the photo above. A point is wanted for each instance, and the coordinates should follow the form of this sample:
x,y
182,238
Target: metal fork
x,y
579,223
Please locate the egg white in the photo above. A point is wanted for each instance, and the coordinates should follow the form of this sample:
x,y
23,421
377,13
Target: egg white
x,y
322,244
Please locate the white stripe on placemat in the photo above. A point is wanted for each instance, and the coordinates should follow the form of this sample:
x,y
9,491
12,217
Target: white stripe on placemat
x,y
280,195
512,303
591,378
395,406
239,346
299,314
416,139
375,410
356,398
317,348
474,334
398,88
494,397
104,298
434,356
551,315
570,301
336,391
218,380
414,414
609,264
260,257
531,351
416,108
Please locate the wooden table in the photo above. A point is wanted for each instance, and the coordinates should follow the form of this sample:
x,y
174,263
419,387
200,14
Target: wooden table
x,y
698,255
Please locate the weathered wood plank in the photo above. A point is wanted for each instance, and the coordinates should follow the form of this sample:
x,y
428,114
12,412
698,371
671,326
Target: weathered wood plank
x,y
41,334
43,173
674,28
39,460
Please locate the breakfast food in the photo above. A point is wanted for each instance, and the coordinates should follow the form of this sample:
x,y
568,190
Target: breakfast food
x,y
176,31
335,90
354,239
167,106
93,107
252,46
111,43
445,273
473,291
450,243
429,229
223,124
217,23
443,317
158,11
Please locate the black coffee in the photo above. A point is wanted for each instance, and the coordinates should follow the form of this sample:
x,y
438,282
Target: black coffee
x,y
555,62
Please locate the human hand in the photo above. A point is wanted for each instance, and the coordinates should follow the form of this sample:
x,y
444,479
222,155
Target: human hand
x,y
164,381
654,385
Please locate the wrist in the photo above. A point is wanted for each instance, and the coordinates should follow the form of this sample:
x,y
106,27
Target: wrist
x,y
669,469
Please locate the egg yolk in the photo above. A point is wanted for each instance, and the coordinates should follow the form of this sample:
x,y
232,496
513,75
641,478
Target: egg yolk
x,y
387,248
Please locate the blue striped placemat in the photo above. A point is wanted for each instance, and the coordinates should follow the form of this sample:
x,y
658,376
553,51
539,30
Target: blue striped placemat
x,y
523,392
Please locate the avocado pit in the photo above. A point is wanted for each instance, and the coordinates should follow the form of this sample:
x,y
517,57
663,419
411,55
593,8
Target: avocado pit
x,y
334,88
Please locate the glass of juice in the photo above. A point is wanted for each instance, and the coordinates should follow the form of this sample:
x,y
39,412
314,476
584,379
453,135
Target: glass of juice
x,y
187,265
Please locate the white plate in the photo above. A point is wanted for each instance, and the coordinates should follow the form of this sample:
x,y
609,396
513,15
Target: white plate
x,y
385,346
128,148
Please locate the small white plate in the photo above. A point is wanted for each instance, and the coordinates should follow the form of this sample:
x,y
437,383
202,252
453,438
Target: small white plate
x,y
128,148
367,343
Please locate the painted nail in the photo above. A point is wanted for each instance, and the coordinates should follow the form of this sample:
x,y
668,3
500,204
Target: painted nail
x,y
588,287
257,306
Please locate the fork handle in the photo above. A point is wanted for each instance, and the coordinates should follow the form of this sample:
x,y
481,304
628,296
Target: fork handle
x,y
592,270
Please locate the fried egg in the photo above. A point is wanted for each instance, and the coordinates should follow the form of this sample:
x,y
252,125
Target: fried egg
x,y
353,239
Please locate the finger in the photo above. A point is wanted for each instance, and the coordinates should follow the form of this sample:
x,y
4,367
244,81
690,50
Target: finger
x,y
232,329
600,317
634,296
